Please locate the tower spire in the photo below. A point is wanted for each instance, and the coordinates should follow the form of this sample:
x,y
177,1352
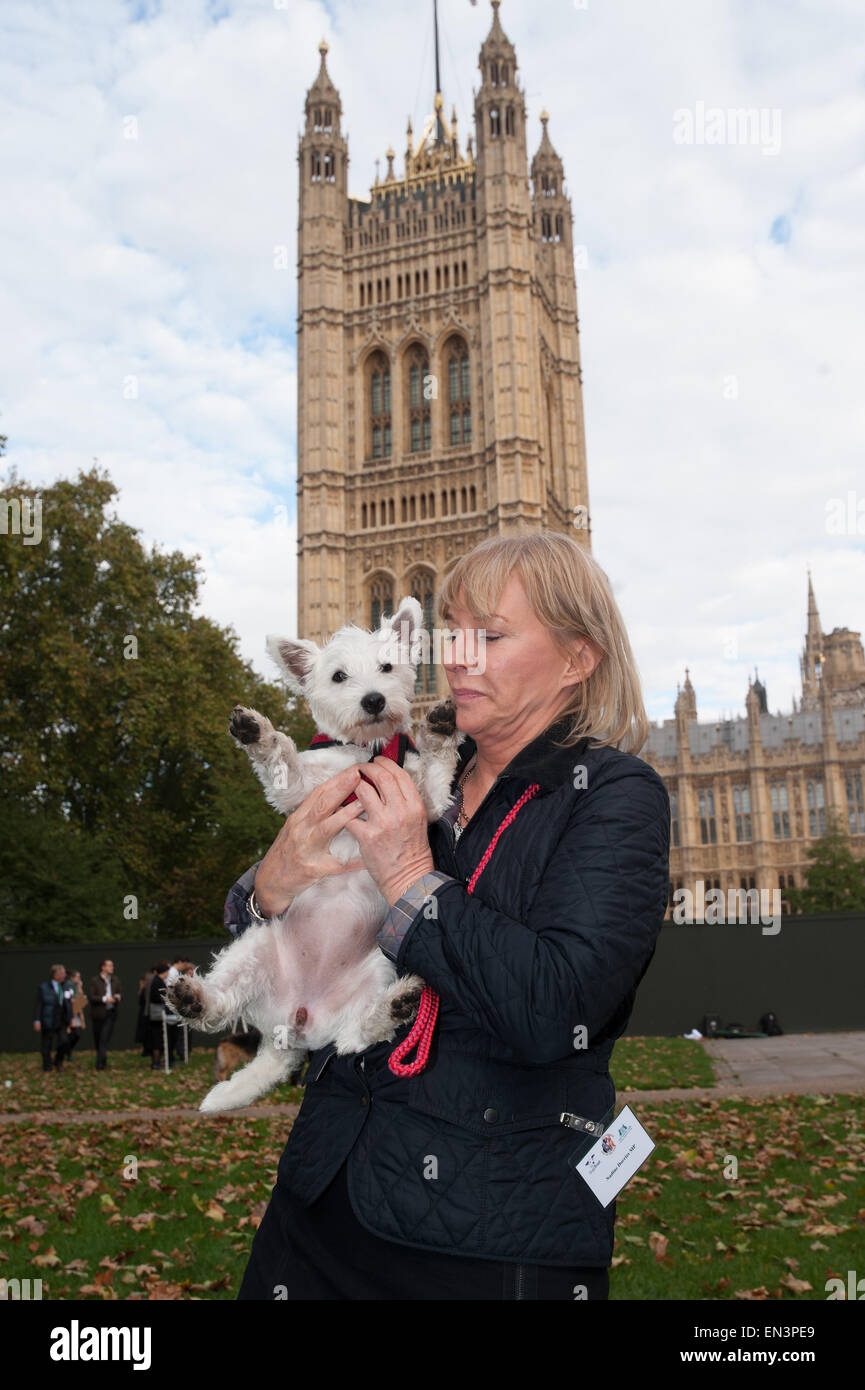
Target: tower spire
x,y
437,95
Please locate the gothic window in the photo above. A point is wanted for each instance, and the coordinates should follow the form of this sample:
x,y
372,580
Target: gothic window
x,y
422,589
674,816
504,77
559,226
419,415
315,166
329,174
327,119
495,123
855,804
316,118
494,74
473,503
379,406
380,602
742,809
816,808
708,834
509,121
459,392
780,814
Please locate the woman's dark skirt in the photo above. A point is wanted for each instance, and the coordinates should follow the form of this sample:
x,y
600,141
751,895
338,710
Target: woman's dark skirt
x,y
322,1252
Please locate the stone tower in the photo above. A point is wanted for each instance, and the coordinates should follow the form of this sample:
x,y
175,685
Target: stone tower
x,y
439,385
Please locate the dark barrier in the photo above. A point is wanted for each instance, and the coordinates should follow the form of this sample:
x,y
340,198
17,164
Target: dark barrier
x,y
24,967
810,974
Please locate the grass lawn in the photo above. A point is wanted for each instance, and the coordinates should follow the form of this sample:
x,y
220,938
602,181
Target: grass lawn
x,y
167,1208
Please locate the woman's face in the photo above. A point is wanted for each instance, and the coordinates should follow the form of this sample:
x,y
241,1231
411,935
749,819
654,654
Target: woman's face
x,y
524,680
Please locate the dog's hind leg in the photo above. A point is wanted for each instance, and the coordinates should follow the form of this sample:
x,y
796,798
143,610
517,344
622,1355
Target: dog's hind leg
x,y
266,1070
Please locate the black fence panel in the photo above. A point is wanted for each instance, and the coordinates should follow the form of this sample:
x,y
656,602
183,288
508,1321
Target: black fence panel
x,y
809,973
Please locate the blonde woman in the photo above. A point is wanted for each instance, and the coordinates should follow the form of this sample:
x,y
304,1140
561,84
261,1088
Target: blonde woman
x,y
532,909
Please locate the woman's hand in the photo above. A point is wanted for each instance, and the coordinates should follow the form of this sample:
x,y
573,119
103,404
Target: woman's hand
x,y
299,855
394,839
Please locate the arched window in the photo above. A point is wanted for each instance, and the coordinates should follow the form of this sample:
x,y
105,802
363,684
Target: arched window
x,y
504,78
379,407
419,415
510,124
546,227
459,393
327,119
380,601
423,589
329,174
559,226
494,74
495,123
315,166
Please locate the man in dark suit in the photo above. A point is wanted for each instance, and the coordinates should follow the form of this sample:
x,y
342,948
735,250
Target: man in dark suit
x,y
53,1016
104,996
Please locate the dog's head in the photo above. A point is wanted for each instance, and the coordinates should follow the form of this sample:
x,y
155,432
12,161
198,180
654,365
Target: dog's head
x,y
359,686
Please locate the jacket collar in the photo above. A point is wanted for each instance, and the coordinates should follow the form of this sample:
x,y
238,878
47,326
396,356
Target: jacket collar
x,y
539,761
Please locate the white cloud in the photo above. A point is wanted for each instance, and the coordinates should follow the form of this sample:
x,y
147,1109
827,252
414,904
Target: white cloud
x,y
146,324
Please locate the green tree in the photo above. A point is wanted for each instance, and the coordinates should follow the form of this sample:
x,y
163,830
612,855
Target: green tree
x,y
835,878
121,791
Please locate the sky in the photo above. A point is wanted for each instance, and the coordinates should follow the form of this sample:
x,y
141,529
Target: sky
x,y
149,165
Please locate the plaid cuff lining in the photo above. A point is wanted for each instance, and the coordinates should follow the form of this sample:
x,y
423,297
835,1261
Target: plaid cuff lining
x,y
236,915
406,909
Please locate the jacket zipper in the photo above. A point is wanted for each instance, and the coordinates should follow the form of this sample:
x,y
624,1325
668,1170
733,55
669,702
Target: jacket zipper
x,y
520,1282
324,1064
453,839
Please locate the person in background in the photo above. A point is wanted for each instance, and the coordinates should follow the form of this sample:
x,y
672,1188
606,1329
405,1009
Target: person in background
x,y
104,996
74,991
141,1025
155,1011
52,1018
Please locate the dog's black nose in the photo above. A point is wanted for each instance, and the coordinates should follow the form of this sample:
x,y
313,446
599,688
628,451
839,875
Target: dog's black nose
x,y
373,703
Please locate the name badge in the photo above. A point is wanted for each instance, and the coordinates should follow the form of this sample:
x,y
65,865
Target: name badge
x,y
623,1147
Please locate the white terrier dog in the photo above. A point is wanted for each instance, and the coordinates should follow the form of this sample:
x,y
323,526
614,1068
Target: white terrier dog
x,y
317,975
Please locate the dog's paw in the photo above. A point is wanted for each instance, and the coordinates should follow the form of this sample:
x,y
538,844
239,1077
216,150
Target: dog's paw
x,y
404,1007
244,725
220,1098
442,719
186,997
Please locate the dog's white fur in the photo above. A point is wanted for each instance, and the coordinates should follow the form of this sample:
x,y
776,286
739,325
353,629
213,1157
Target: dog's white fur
x,y
316,975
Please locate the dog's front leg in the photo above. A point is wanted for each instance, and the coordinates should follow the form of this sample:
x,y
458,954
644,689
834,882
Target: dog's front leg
x,y
438,741
273,755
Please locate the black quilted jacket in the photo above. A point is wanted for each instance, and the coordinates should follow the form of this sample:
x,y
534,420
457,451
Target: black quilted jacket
x,y
470,1157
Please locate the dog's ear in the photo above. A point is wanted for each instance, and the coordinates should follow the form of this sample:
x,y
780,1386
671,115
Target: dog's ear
x,y
294,656
399,633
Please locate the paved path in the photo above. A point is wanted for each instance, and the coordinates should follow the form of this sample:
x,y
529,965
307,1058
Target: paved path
x,y
794,1064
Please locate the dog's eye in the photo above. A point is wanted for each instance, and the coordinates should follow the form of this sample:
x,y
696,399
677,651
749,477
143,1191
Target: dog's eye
x,y
386,667
338,676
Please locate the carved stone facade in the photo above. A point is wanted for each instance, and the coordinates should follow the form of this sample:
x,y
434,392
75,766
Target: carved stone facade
x,y
750,795
439,383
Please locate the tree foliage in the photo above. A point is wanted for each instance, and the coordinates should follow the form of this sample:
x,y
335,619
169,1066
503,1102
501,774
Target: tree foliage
x,y
835,878
122,790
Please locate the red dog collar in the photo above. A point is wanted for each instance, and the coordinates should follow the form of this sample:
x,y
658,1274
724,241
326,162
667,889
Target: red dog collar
x,y
395,748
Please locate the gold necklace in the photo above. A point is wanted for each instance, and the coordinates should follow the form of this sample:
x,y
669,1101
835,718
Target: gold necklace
x,y
459,823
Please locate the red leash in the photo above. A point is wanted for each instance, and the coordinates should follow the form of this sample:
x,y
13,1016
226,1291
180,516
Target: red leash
x,y
422,1029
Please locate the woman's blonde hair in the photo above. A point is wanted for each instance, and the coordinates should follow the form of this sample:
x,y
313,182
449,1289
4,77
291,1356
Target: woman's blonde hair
x,y
571,595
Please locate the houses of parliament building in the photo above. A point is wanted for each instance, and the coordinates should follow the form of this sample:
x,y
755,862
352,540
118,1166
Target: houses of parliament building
x,y
440,402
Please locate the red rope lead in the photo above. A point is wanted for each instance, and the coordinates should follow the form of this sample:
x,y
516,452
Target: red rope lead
x,y
422,1029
